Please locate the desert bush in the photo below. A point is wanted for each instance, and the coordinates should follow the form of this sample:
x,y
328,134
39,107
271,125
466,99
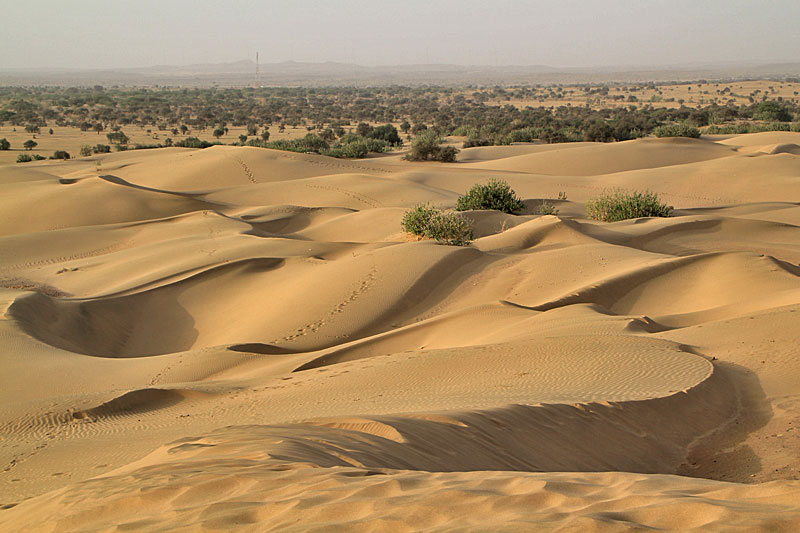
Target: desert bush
x,y
546,208
386,133
117,137
496,194
677,130
86,150
60,154
416,220
749,127
447,154
772,111
193,142
448,228
598,131
30,144
619,205
426,146
101,149
23,158
4,144
476,141
353,150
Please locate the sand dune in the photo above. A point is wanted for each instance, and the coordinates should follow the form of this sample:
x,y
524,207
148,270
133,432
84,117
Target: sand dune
x,y
239,338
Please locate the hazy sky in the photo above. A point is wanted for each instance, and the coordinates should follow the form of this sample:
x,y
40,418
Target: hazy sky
x,y
559,33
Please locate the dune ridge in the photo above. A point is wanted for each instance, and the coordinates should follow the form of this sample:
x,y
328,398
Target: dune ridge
x,y
239,338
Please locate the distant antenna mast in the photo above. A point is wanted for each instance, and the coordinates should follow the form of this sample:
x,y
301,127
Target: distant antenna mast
x,y
257,69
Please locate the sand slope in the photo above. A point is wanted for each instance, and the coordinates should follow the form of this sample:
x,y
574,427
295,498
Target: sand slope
x,y
238,338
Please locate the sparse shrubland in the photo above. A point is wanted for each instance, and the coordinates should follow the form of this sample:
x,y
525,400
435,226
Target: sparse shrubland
x,y
496,194
619,205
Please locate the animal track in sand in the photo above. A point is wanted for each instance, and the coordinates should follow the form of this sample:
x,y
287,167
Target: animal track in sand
x,y
334,165
313,327
246,169
356,196
63,259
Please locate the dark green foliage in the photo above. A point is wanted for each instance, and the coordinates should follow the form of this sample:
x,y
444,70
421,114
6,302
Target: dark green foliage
x,y
448,228
471,142
60,154
677,130
426,146
772,112
86,150
117,137
598,131
193,142
23,158
30,144
4,144
496,194
101,149
386,133
621,205
750,127
447,154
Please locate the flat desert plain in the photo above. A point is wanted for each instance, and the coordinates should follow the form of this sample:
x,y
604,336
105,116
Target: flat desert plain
x,y
244,339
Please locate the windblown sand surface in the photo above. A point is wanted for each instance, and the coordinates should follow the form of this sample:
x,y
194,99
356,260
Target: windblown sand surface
x,y
239,338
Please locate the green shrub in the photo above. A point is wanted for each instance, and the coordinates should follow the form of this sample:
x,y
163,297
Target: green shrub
x,y
496,194
101,149
447,228
192,142
60,154
4,144
24,158
749,127
677,130
86,150
425,146
416,220
450,228
546,209
351,150
37,157
620,205
476,141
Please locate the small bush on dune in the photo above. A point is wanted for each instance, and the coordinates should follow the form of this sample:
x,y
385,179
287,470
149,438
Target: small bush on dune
x,y
448,228
677,130
547,209
426,147
496,194
620,205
